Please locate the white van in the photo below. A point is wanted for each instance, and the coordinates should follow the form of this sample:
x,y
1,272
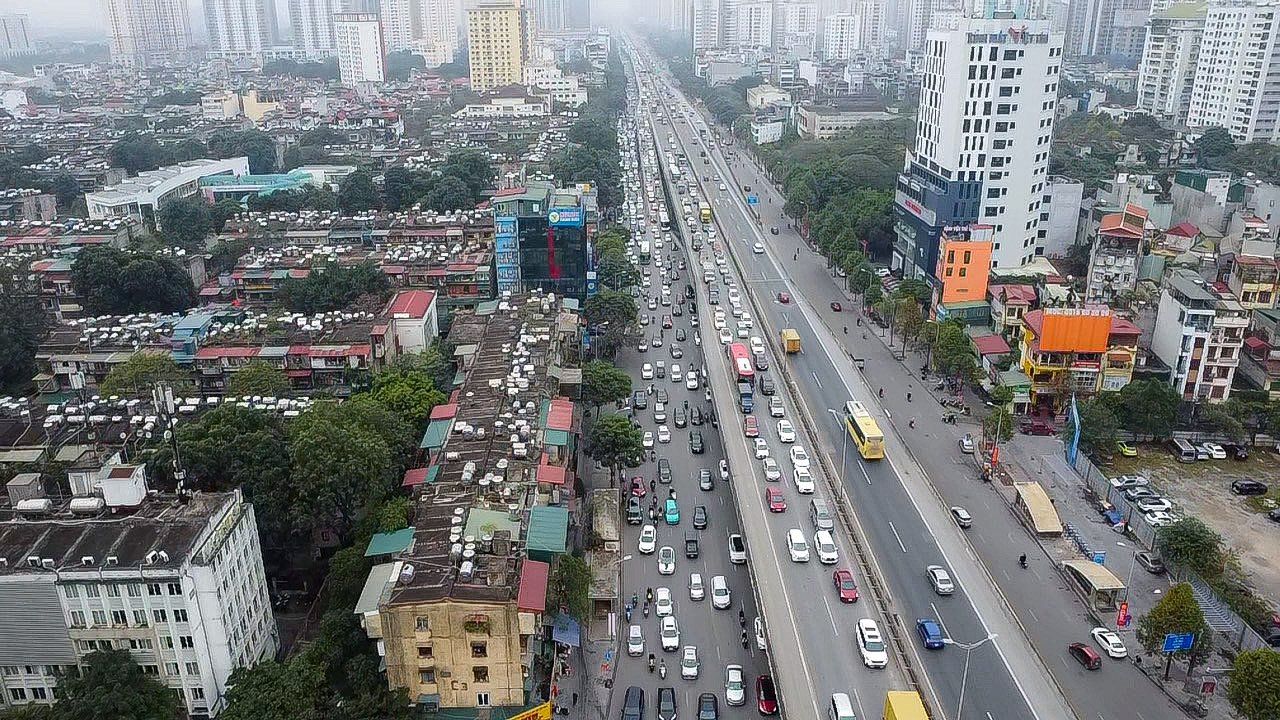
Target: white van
x,y
797,546
1183,450
840,708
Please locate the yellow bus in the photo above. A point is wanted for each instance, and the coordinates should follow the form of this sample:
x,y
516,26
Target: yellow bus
x,y
704,209
864,431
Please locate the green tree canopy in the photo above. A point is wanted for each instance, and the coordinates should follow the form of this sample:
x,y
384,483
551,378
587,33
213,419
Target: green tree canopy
x,y
117,282
614,307
356,193
953,352
1192,543
295,200
23,324
411,394
1254,688
603,383
1177,612
1097,427
258,378
1146,406
333,287
1215,142
111,686
569,587
615,442
141,372
253,144
449,193
186,221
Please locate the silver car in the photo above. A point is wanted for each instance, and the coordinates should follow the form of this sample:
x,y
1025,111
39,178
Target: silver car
x,y
940,579
635,641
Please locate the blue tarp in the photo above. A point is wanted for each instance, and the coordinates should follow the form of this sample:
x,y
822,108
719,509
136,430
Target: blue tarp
x,y
567,631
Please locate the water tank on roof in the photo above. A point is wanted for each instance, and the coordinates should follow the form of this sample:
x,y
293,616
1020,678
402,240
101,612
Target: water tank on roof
x,y
87,505
34,506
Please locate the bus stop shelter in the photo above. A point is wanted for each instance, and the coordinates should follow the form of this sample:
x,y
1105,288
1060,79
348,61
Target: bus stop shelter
x,y
1095,583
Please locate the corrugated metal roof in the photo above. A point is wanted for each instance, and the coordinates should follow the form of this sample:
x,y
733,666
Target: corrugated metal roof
x,y
548,529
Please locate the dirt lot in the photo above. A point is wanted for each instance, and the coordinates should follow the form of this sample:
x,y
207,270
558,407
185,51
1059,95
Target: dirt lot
x,y
1203,489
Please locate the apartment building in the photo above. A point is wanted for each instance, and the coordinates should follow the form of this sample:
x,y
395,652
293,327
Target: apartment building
x,y
1260,363
240,28
145,33
797,28
1121,241
706,25
362,57
399,18
499,36
1170,57
1077,352
1238,71
981,153
1254,280
142,196
178,584
754,25
15,35
841,36
1199,333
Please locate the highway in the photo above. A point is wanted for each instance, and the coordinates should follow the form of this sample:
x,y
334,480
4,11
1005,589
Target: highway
x,y
905,526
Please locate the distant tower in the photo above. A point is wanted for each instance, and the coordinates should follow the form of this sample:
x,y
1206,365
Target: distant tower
x,y
148,32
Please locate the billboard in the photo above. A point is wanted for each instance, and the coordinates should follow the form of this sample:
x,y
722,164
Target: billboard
x,y
558,217
506,253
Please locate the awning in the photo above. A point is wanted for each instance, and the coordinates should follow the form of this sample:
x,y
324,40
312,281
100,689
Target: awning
x,y
566,631
379,578
414,477
1044,517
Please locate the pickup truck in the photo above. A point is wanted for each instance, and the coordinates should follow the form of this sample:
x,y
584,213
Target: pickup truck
x,y
691,543
746,398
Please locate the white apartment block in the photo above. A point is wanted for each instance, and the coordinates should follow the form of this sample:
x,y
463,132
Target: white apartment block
x,y
1238,72
754,24
1170,56
361,56
240,28
798,27
398,18
148,32
180,585
439,22
1199,333
549,14
874,22
312,22
706,25
841,36
15,35
141,197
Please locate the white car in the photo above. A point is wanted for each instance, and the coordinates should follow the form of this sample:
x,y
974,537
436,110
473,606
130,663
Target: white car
x,y
762,449
803,480
691,381
759,626
664,434
662,603
1153,505
726,337
758,248
676,374
1109,642
666,560
718,322
757,345
940,579
826,547
724,470
689,662
721,598
797,546
635,641
735,688
786,433
742,331
776,408
771,470
1159,518
697,590
646,371
1216,451
670,633
647,439
799,458
871,644
648,539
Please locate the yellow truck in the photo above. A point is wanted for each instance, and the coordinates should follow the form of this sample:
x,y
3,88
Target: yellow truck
x,y
904,705
790,340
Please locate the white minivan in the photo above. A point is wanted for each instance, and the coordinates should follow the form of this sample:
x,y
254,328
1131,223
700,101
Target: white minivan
x,y
797,546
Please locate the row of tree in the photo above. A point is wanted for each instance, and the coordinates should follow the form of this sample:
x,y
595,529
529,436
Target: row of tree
x,y
15,175
136,152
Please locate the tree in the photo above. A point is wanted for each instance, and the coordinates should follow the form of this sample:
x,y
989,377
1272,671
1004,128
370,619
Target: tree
x,y
617,271
356,193
603,383
434,362
1147,406
401,62
272,690
296,200
136,153
1177,612
186,221
998,424
1223,418
393,514
953,352
23,323
615,442
256,145
411,394
258,378
449,193
1097,428
401,187
872,296
116,282
1215,142
65,187
333,287
111,686
570,586
1254,688
141,372
1192,543
614,307
471,167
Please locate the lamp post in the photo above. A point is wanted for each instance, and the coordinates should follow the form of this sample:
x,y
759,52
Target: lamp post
x,y
964,677
844,437
1133,559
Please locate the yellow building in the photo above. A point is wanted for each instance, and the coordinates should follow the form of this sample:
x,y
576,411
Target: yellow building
x,y
499,36
1076,351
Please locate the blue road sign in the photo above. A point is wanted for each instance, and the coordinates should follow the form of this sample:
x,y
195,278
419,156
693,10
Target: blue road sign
x,y
608,655
753,199
1177,642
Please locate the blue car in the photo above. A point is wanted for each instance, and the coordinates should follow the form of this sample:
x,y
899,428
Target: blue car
x,y
930,633
672,512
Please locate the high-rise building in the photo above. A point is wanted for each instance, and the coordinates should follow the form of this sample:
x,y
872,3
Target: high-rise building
x,y
841,36
312,22
240,28
983,132
550,14
1169,60
874,21
577,14
1238,72
1113,28
15,36
797,27
499,37
148,32
399,20
754,22
439,22
706,25
362,57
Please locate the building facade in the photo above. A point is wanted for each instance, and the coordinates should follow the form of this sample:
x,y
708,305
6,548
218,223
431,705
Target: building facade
x,y
498,40
144,33
981,154
1118,248
1238,71
15,36
240,28
1199,333
754,23
543,237
312,22
440,22
142,196
798,28
841,36
362,57
1079,352
706,25
1169,60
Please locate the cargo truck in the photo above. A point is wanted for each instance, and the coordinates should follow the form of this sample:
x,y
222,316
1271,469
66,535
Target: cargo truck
x,y
790,340
904,705
745,396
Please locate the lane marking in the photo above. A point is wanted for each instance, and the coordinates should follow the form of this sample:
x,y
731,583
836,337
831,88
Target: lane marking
x,y
815,379
896,535
942,623
831,615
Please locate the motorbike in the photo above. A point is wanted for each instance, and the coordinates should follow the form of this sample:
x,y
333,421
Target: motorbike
x,y
662,669
628,611
652,662
1022,560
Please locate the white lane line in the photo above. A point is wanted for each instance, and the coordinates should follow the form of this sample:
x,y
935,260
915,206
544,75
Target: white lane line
x,y
899,537
830,614
815,379
1033,615
941,623
862,712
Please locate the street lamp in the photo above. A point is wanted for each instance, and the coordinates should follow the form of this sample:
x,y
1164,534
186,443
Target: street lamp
x,y
844,437
964,677
1133,559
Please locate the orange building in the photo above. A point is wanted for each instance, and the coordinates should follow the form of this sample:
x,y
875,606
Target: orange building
x,y
964,267
1080,351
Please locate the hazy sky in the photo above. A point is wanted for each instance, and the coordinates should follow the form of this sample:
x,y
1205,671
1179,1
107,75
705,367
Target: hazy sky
x,y
82,19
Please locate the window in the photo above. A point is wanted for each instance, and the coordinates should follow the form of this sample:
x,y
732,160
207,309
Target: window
x,y
91,591
140,618
105,645
9,669
422,623
171,668
175,589
71,591
135,590
166,642
18,694
141,644
480,673
192,668
479,649
77,618
113,591
482,699
180,616
186,642
160,615
119,617
150,669
197,693
39,693
962,271
968,258
153,589
426,676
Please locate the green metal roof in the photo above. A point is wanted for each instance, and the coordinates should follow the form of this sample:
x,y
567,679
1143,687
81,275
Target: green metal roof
x,y
559,438
389,543
434,437
548,529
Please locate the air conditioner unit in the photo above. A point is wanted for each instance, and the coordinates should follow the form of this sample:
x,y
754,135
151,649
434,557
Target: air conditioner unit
x,y
113,560
151,557
33,560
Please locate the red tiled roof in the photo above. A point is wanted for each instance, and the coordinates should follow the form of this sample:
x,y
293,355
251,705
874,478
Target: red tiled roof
x,y
560,415
299,273
445,410
1129,223
532,596
1255,343
122,471
414,303
551,475
209,353
1254,260
1014,293
414,477
991,345
1183,229
1120,326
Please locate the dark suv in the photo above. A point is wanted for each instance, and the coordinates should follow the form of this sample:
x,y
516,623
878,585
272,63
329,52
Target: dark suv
x,y
1248,487
633,704
666,704
664,471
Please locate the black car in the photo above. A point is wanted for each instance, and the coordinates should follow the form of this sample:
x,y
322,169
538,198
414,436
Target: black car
x,y
681,418
707,708
1248,487
695,442
1236,452
666,704
688,290
1274,515
700,517
664,471
635,514
691,544
766,386
774,229
633,704
695,415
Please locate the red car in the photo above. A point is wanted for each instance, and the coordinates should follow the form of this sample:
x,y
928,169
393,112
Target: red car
x,y
766,696
846,588
750,426
637,487
773,496
784,298
836,307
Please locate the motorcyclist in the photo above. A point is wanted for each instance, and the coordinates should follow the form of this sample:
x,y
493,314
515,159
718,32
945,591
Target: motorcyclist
x,y
662,668
881,392
652,662
846,329
1022,559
